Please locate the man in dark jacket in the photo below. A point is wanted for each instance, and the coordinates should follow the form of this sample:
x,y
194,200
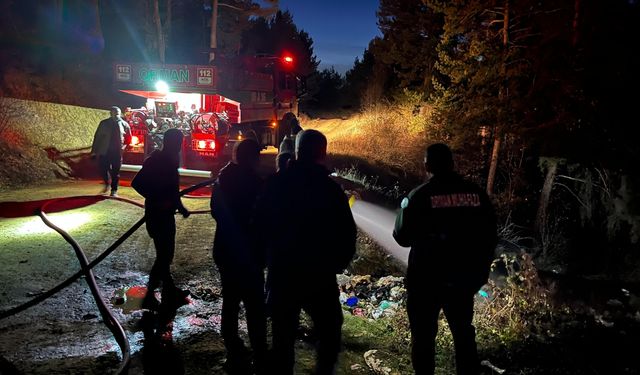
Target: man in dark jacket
x,y
450,226
158,182
310,236
111,137
241,268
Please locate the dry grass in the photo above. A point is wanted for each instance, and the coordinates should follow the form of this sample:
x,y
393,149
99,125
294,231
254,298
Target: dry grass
x,y
393,136
517,305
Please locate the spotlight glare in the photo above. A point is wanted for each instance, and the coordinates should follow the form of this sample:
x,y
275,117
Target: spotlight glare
x,y
65,220
162,87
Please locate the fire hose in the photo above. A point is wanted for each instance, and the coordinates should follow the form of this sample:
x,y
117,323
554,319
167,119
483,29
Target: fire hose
x,y
86,269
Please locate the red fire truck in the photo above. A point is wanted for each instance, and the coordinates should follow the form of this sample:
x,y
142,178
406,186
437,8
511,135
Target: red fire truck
x,y
213,105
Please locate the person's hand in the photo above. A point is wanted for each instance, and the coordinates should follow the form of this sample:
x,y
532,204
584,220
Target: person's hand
x,y
185,213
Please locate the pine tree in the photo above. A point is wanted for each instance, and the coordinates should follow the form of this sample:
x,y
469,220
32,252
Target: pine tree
x,y
370,80
411,31
280,35
486,70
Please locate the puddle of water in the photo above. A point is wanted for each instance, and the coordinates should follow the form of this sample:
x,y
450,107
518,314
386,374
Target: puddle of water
x,y
137,291
129,299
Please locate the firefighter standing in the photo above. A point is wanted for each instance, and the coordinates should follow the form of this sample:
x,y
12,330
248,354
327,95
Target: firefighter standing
x,y
310,236
158,182
450,226
110,139
235,254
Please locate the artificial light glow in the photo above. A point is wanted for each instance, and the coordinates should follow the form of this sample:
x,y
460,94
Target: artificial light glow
x,y
273,124
212,145
202,144
134,140
65,220
162,87
288,59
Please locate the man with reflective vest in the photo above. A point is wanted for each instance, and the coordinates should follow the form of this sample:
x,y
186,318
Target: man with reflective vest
x,y
450,225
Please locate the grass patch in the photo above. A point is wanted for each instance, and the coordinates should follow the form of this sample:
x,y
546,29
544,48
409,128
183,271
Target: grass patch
x,y
371,183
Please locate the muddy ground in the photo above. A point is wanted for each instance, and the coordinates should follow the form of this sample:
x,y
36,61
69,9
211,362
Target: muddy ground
x,y
34,259
65,334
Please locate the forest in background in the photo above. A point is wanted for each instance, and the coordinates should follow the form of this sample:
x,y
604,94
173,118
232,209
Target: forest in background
x,y
536,97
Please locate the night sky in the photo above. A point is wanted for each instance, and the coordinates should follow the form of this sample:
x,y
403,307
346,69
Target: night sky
x,y
340,29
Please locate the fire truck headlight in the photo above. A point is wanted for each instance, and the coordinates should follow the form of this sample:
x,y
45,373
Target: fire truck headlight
x,y
202,144
212,145
162,87
134,140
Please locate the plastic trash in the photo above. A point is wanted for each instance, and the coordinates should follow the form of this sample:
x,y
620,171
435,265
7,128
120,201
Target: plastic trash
x,y
352,301
385,305
343,298
358,312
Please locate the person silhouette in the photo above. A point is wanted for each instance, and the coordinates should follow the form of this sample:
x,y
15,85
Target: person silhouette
x,y
110,139
450,225
235,254
305,254
158,182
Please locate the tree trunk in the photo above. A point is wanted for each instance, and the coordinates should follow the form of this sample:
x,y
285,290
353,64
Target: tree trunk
x,y
159,34
497,137
214,27
545,197
167,24
576,23
98,24
505,25
493,167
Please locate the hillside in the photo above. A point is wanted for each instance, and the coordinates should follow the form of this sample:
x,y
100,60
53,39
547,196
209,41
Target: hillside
x,y
39,141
